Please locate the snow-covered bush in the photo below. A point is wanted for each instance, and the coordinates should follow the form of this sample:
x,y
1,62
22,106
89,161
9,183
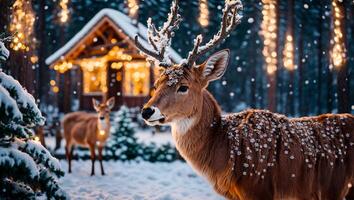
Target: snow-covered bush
x,y
123,143
27,169
164,153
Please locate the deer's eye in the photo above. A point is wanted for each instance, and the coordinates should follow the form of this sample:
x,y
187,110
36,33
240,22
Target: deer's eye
x,y
182,89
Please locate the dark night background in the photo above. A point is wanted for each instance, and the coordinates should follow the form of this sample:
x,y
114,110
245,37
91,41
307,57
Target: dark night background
x,y
316,86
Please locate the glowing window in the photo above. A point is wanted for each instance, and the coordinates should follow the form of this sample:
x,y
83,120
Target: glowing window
x,y
136,81
94,77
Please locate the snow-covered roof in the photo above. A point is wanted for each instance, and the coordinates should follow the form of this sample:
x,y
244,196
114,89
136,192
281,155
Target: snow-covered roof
x,y
121,20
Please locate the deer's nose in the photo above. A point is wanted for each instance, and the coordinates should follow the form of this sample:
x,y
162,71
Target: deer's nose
x,y
147,112
101,118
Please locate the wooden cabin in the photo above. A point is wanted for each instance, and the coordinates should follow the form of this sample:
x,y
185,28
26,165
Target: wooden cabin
x,y
101,59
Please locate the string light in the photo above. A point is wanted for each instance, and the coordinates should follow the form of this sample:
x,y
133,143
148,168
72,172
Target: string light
x,y
136,78
22,20
203,13
91,64
102,132
63,67
268,31
288,53
64,12
338,49
133,8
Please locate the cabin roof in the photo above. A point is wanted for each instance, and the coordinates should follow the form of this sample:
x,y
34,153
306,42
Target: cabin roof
x,y
121,20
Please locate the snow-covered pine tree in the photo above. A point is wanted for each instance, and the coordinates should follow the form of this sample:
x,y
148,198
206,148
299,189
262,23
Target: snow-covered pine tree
x,y
123,144
27,169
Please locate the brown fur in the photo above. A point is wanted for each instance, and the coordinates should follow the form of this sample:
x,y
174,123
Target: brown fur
x,y
209,145
83,129
207,150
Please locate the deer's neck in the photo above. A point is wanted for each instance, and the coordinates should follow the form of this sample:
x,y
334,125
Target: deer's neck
x,y
199,137
104,125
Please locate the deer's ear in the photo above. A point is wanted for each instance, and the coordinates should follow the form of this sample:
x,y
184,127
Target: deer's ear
x,y
95,104
110,102
215,67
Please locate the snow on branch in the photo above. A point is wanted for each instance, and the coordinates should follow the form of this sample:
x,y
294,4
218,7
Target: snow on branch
x,y
4,52
51,187
25,101
40,154
11,158
9,105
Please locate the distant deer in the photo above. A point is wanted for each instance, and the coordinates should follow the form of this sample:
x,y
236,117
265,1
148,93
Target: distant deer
x,y
254,154
88,130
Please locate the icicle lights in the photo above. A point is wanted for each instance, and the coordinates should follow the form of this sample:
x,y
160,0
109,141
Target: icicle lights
x,y
338,48
268,31
203,13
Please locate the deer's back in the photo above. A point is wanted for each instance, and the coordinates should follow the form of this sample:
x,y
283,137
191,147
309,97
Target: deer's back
x,y
277,157
80,127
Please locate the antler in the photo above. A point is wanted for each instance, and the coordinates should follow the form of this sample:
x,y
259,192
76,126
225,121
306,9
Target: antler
x,y
160,39
230,18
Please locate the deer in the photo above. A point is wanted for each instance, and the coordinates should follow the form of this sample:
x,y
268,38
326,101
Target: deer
x,y
88,130
250,155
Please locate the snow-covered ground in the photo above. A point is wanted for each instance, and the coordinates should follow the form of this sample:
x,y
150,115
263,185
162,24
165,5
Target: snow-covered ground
x,y
135,181
147,137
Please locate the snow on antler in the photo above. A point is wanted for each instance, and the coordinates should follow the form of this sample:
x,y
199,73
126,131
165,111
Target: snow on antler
x,y
230,19
160,39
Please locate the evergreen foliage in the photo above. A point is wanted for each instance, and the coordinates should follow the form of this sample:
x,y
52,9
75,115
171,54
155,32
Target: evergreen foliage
x,y
27,169
124,145
245,84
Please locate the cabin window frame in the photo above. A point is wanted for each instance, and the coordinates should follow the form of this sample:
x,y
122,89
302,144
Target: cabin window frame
x,y
147,79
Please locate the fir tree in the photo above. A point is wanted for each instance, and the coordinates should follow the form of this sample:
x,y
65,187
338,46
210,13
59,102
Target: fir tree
x,y
27,169
123,144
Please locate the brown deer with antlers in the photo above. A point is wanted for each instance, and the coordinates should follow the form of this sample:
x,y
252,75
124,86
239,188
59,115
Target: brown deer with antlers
x,y
254,154
88,130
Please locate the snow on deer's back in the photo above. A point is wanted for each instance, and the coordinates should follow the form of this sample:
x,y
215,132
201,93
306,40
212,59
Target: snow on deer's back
x,y
249,155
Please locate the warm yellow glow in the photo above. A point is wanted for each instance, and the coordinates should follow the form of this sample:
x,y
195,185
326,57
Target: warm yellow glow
x,y
203,13
117,65
118,54
133,8
94,74
63,67
34,59
113,40
52,82
135,76
288,53
338,48
21,26
102,132
55,89
36,138
64,12
136,79
269,33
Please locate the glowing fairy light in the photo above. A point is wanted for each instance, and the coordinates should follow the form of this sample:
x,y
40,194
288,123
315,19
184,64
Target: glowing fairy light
x,y
288,53
36,138
269,33
64,12
203,13
133,8
102,132
338,48
21,26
